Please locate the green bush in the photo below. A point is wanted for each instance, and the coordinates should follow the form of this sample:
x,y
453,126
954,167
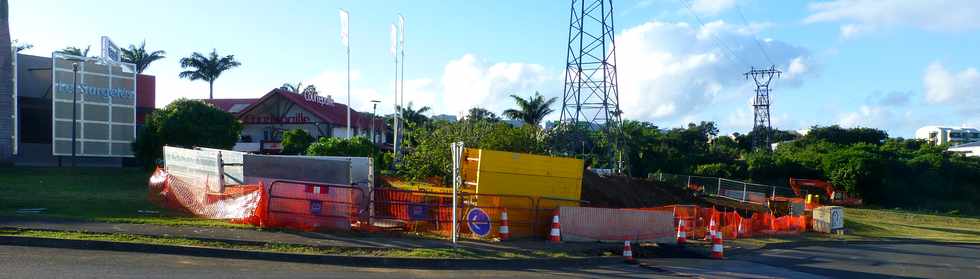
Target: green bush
x,y
296,141
185,123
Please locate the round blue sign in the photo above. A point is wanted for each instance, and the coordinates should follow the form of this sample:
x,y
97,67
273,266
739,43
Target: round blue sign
x,y
478,221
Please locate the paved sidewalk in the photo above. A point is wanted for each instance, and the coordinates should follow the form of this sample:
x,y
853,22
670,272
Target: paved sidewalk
x,y
316,239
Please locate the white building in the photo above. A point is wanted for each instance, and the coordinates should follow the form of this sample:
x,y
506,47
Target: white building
x,y
947,135
265,119
968,149
444,117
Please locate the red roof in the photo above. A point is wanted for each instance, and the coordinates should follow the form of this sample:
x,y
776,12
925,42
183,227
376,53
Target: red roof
x,y
227,104
335,114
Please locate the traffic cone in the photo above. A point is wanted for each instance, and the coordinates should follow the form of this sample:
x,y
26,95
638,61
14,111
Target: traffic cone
x,y
628,252
681,232
738,233
712,228
717,248
504,226
555,236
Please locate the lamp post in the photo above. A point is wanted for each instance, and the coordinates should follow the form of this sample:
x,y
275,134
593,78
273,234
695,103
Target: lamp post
x,y
374,118
74,105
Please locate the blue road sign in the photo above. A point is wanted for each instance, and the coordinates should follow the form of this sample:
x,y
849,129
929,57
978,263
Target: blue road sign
x,y
478,221
316,207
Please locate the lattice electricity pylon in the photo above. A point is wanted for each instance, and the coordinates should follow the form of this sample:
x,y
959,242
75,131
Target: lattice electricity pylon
x,y
591,94
762,126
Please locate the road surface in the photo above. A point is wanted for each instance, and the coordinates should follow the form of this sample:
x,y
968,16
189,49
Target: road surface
x,y
852,261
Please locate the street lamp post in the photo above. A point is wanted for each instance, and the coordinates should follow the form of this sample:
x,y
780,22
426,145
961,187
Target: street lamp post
x,y
74,105
374,118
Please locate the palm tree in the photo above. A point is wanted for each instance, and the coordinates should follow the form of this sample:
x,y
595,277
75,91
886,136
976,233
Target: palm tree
x,y
414,116
141,57
207,68
6,76
76,51
532,110
293,87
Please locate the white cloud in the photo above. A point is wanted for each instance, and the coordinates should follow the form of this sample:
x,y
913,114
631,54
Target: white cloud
x,y
944,87
468,82
711,7
671,71
865,15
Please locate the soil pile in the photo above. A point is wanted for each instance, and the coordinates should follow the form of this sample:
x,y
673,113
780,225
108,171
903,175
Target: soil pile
x,y
626,192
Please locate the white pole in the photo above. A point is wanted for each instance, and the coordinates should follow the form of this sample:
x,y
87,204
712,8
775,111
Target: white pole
x,y
454,148
397,106
348,93
401,102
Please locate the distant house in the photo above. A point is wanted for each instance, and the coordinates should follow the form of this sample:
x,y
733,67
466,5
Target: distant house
x,y
946,135
445,117
266,118
968,149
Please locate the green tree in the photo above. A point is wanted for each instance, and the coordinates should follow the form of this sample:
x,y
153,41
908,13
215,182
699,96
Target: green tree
x,y
207,68
414,117
76,51
185,123
481,114
334,146
531,110
140,57
293,87
296,141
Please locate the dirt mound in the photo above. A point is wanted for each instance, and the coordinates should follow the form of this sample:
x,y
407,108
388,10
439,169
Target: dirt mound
x,y
626,192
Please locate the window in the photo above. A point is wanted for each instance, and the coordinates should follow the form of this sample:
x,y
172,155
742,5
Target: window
x,y
932,135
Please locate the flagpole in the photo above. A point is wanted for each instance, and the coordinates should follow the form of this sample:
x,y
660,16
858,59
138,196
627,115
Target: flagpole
x,y
345,36
348,92
397,114
401,21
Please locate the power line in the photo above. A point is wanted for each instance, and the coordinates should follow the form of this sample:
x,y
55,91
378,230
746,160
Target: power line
x,y
754,37
716,39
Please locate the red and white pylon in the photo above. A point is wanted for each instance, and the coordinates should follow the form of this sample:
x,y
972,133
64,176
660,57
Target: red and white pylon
x,y
681,232
628,252
712,229
555,235
504,226
717,248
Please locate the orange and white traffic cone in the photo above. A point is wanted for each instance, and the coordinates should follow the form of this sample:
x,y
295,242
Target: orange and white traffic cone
x,y
681,232
555,235
628,252
739,232
712,230
717,248
504,226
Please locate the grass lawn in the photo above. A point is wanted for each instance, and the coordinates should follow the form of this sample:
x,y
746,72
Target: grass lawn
x,y
442,253
886,223
98,194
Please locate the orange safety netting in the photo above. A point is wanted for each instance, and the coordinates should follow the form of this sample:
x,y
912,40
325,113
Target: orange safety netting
x,y
732,224
239,203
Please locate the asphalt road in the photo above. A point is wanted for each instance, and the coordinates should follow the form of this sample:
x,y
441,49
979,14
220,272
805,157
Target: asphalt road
x,y
876,260
850,261
36,262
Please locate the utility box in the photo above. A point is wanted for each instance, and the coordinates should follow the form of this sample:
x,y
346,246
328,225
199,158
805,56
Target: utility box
x,y
508,173
828,219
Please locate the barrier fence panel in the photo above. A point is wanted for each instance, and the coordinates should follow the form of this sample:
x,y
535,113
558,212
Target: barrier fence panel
x,y
586,224
431,212
313,206
545,208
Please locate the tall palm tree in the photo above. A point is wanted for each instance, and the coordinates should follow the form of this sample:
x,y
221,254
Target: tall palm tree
x,y
6,78
76,51
140,57
207,68
531,110
414,116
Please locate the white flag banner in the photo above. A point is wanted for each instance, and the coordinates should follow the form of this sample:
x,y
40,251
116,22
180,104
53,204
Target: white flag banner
x,y
344,28
401,27
394,39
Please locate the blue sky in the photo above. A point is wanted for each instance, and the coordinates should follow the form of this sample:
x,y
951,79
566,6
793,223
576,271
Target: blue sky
x,y
895,65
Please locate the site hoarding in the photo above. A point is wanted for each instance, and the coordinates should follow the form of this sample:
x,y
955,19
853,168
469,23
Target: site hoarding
x,y
105,109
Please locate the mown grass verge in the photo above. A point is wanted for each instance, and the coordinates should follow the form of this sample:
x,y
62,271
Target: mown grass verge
x,y
435,253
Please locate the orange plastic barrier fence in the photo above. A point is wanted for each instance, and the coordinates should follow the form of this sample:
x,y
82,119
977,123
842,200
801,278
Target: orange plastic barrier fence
x,y
313,206
239,203
732,224
432,212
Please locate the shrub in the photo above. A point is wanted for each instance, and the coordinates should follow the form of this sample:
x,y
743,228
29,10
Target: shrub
x,y
185,123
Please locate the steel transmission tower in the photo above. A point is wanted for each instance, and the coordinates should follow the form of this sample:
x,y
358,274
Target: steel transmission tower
x,y
591,94
762,126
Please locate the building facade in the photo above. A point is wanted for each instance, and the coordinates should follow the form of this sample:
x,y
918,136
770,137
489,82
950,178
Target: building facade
x,y
265,119
110,111
969,149
940,135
